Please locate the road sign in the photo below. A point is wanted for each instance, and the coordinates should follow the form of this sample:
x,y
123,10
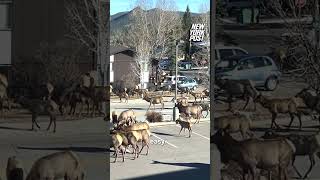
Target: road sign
x,y
301,3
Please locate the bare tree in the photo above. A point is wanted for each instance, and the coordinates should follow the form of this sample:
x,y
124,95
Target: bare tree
x,y
88,23
149,32
301,44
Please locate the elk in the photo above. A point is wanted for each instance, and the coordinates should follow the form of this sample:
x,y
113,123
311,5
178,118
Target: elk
x,y
153,100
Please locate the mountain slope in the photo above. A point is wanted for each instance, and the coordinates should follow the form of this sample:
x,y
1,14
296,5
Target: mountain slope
x,y
119,20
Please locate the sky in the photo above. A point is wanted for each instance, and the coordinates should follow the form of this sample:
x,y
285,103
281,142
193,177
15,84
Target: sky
x,y
127,5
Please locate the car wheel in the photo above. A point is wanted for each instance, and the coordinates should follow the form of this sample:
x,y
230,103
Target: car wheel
x,y
271,83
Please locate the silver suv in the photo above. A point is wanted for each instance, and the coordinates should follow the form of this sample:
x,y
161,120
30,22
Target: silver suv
x,y
261,70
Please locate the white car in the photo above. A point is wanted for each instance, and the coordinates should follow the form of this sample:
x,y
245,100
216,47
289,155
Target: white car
x,y
222,52
170,81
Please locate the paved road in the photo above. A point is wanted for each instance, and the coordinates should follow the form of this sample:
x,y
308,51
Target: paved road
x,y
175,155
181,156
85,137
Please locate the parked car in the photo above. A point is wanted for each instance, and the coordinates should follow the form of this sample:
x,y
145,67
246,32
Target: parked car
x,y
222,52
184,65
170,81
262,70
187,83
165,64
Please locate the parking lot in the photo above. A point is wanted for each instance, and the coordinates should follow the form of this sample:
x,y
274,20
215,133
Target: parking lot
x,y
170,154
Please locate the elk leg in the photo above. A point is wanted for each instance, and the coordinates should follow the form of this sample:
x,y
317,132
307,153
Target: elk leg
x,y
81,108
51,117
294,167
88,107
274,116
180,130
141,148
312,163
9,105
300,122
34,117
207,113
190,132
229,101
116,153
292,117
253,172
147,144
149,106
54,123
243,134
247,102
122,153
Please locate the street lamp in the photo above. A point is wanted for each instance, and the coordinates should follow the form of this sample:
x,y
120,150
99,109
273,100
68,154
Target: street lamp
x,y
176,79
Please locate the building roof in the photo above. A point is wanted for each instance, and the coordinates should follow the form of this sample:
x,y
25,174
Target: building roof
x,y
121,49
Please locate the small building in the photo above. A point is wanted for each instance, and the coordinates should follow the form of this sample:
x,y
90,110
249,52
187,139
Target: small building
x,y
121,61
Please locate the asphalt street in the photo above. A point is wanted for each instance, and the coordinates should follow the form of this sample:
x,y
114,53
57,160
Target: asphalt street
x,y
85,137
171,155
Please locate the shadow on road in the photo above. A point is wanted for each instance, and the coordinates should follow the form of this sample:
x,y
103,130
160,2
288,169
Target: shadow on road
x,y
260,129
164,134
200,171
75,149
15,129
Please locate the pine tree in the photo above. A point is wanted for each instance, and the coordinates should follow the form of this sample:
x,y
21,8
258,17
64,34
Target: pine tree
x,y
186,25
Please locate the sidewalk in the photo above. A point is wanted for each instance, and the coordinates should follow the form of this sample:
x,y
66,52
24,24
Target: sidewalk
x,y
232,24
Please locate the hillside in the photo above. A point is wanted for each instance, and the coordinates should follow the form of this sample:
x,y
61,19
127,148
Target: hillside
x,y
121,19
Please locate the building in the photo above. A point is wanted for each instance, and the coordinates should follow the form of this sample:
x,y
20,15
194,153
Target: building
x,y
6,26
24,25
121,61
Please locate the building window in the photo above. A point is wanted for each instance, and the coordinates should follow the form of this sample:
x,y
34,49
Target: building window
x,y
5,15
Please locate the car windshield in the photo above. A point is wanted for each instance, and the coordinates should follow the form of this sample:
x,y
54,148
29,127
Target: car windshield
x,y
227,64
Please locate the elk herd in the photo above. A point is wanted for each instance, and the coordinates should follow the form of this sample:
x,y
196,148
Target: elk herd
x,y
128,132
273,152
52,100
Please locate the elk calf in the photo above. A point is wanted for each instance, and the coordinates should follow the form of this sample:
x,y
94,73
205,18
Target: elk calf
x,y
184,125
